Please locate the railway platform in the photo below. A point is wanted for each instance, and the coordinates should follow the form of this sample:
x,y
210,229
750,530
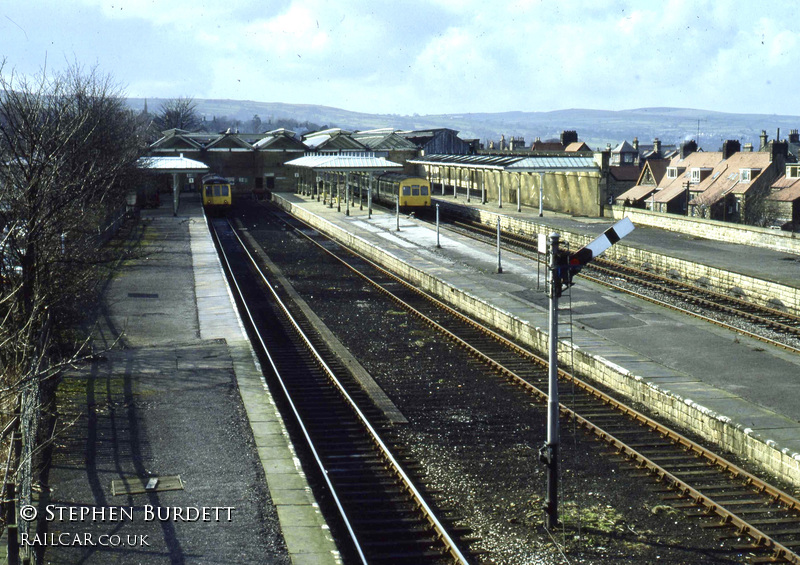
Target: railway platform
x,y
171,424
725,387
757,262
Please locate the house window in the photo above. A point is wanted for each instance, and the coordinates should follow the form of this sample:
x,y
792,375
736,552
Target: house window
x,y
699,174
672,172
793,172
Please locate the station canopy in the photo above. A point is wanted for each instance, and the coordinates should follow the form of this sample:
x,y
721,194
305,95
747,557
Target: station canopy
x,y
512,163
172,165
344,162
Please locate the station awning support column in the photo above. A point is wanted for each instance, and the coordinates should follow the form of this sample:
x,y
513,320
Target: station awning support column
x,y
175,194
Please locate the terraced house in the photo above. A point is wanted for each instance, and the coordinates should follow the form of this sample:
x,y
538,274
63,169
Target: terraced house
x,y
729,185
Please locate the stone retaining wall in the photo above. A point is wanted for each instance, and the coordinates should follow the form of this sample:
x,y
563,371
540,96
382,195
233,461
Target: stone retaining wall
x,y
710,229
759,291
681,411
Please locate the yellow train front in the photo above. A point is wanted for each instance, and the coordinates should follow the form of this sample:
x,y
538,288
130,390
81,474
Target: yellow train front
x,y
217,194
414,192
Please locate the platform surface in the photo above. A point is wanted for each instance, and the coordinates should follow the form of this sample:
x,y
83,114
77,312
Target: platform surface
x,y
179,395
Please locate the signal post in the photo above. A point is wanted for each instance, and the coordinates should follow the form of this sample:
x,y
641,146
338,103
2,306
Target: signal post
x,y
563,267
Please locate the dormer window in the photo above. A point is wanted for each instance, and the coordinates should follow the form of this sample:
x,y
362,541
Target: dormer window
x,y
746,175
699,173
793,171
672,172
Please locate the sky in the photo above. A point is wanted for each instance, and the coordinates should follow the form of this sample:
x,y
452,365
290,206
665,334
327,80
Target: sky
x,y
424,57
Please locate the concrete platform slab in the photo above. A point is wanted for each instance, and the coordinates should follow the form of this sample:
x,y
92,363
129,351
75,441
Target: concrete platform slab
x,y
181,400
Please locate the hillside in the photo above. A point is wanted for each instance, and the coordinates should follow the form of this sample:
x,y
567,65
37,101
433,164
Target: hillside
x,y
596,127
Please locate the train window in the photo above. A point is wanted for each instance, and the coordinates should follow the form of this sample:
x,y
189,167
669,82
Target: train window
x,y
424,192
415,190
216,190
224,192
406,191
209,192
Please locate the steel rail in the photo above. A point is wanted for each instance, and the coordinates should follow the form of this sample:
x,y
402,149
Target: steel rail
x,y
441,532
697,315
695,293
291,403
677,293
762,540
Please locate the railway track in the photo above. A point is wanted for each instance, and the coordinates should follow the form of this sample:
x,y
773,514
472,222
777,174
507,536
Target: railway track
x,y
381,510
763,520
720,309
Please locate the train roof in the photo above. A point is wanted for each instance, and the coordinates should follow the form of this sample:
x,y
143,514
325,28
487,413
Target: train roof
x,y
400,177
214,178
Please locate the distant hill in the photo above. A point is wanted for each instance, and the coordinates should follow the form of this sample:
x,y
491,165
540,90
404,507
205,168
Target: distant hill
x,y
596,127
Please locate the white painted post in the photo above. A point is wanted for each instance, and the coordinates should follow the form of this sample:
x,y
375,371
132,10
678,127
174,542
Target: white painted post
x,y
500,191
347,193
499,266
541,193
438,245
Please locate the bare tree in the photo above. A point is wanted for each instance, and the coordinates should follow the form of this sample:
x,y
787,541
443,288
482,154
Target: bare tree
x,y
68,153
180,113
255,124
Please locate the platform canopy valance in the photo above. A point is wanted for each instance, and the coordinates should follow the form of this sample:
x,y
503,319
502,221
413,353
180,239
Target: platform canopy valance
x,y
512,163
344,162
172,165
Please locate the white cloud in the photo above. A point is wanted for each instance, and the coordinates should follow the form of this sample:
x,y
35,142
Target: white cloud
x,y
421,56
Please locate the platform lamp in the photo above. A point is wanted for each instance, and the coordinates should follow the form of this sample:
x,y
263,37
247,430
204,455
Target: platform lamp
x,y
563,267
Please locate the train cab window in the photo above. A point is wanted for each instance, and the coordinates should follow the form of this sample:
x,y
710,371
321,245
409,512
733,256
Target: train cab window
x,y
423,190
406,191
223,190
415,190
216,190
209,192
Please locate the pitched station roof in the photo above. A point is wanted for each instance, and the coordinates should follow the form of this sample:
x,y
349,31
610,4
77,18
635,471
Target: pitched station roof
x,y
383,140
512,163
172,165
344,162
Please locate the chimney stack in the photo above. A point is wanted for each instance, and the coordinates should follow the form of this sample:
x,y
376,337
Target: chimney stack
x,y
636,143
763,138
729,147
688,147
568,136
794,136
657,146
